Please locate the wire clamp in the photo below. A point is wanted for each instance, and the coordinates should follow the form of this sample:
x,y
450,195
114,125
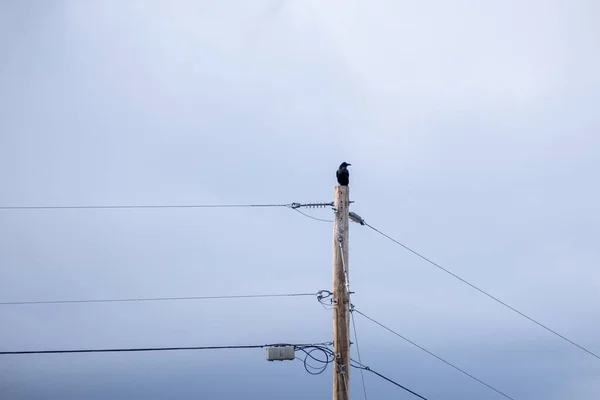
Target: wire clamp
x,y
323,294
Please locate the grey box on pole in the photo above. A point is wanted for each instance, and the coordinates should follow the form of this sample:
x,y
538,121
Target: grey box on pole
x,y
280,353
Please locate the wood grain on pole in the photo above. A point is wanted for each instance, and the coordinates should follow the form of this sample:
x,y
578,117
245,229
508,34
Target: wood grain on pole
x,y
341,309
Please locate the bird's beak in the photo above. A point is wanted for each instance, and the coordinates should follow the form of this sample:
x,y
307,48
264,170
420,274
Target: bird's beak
x,y
349,164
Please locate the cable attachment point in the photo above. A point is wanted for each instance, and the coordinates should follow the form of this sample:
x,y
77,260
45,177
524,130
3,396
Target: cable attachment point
x,y
354,217
323,294
324,297
310,205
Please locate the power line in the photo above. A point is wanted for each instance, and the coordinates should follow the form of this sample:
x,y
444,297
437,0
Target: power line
x,y
247,296
486,293
127,350
311,217
148,349
134,206
329,357
293,206
434,355
394,382
366,368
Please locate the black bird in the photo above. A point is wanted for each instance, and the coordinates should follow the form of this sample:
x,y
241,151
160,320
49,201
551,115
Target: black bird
x,y
343,175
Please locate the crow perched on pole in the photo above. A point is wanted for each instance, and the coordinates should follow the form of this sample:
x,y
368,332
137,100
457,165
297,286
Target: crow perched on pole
x,y
343,175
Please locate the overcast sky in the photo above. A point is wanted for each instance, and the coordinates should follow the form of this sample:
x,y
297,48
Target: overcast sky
x,y
472,129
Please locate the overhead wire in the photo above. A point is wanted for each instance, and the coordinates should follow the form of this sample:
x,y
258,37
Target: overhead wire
x,y
150,349
311,217
308,354
128,350
293,206
434,355
144,299
366,368
486,293
135,206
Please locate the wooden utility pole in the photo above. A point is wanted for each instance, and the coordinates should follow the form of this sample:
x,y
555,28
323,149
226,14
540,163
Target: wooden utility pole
x,y
341,297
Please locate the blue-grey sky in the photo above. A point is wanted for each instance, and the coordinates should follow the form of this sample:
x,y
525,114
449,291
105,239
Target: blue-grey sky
x,y
472,130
